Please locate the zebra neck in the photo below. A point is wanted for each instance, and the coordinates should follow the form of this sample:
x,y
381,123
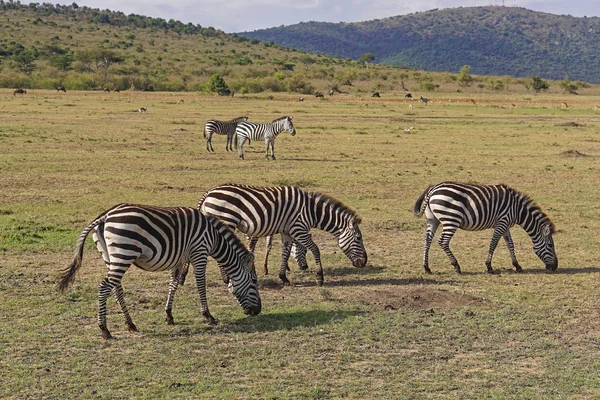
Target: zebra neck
x,y
530,217
327,217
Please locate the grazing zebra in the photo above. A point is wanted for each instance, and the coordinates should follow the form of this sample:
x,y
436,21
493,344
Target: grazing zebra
x,y
158,239
269,131
478,207
264,211
222,128
61,89
19,91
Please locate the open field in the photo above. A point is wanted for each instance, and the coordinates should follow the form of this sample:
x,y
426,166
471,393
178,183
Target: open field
x,y
387,331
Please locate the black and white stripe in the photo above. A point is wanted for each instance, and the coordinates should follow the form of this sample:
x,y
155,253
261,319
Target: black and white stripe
x,y
158,239
265,211
250,131
478,207
222,128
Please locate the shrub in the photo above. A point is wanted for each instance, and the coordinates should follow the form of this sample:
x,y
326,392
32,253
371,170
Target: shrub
x,y
537,84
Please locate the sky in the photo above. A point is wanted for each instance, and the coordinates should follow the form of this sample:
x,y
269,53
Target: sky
x,y
247,15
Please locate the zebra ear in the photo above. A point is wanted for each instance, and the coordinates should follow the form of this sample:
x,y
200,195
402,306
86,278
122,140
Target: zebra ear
x,y
289,118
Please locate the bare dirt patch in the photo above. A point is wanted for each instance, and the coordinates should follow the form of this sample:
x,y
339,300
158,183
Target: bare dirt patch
x,y
417,298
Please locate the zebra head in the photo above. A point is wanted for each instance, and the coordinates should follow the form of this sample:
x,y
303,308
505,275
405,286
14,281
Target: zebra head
x,y
288,126
543,246
244,286
351,243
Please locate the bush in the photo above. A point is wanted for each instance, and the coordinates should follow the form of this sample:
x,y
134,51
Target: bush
x,y
428,86
537,84
216,83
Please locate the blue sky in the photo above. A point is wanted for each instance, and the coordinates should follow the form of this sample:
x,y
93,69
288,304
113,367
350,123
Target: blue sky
x,y
246,15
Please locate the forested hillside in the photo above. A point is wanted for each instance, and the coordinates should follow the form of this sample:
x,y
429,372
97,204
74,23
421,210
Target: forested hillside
x,y
46,46
492,40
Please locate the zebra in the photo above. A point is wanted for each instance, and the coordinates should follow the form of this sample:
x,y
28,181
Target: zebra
x,y
160,238
222,128
269,131
264,211
478,207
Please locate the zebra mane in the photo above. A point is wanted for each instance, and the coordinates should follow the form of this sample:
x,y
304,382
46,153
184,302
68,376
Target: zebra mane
x,y
533,205
229,234
239,119
279,119
316,196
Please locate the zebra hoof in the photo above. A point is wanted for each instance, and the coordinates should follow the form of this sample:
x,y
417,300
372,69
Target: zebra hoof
x,y
319,283
427,270
285,280
131,327
106,334
169,318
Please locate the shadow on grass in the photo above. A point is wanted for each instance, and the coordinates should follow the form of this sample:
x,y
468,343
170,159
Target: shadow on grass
x,y
282,321
388,281
559,271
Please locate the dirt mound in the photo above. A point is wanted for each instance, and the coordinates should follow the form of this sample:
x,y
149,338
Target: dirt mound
x,y
416,298
570,124
573,154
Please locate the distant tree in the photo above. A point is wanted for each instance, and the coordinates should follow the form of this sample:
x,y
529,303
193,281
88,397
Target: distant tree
x,y
569,86
464,76
366,58
26,61
537,84
216,84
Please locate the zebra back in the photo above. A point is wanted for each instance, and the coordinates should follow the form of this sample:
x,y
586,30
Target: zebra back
x,y
255,131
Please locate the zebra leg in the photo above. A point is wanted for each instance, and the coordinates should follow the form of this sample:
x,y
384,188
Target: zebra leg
x,y
511,250
432,225
498,232
299,253
241,147
173,283
182,272
307,242
120,296
267,148
444,241
273,148
286,246
268,248
199,261
104,290
251,247
209,142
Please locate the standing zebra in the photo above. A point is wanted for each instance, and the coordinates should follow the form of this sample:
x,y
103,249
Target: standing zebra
x,y
158,239
478,207
269,131
264,211
222,128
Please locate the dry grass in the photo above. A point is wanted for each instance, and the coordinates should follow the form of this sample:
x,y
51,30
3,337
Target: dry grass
x,y
386,331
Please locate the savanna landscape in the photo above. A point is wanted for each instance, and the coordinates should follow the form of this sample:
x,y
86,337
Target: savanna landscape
x,y
384,331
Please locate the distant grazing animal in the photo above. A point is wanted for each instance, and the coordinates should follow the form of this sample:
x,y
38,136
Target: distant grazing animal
x,y
423,99
319,94
473,101
301,99
19,91
331,93
265,211
61,89
564,105
408,96
269,131
222,128
410,106
478,207
181,101
159,239
116,91
142,109
224,92
376,94
596,108
107,90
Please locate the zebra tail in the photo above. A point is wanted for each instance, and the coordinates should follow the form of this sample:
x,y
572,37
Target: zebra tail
x,y
68,274
204,133
201,201
419,207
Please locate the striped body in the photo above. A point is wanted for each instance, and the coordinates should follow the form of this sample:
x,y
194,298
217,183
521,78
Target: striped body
x,y
268,132
222,128
266,211
158,239
478,207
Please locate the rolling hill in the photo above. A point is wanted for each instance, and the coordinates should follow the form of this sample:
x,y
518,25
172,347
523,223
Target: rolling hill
x,y
492,40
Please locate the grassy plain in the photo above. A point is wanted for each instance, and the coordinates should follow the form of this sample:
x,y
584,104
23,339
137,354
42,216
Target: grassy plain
x,y
388,331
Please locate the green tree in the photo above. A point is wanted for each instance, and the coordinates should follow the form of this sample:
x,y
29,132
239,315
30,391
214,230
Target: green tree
x,y
26,61
366,58
537,84
569,86
216,84
464,76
